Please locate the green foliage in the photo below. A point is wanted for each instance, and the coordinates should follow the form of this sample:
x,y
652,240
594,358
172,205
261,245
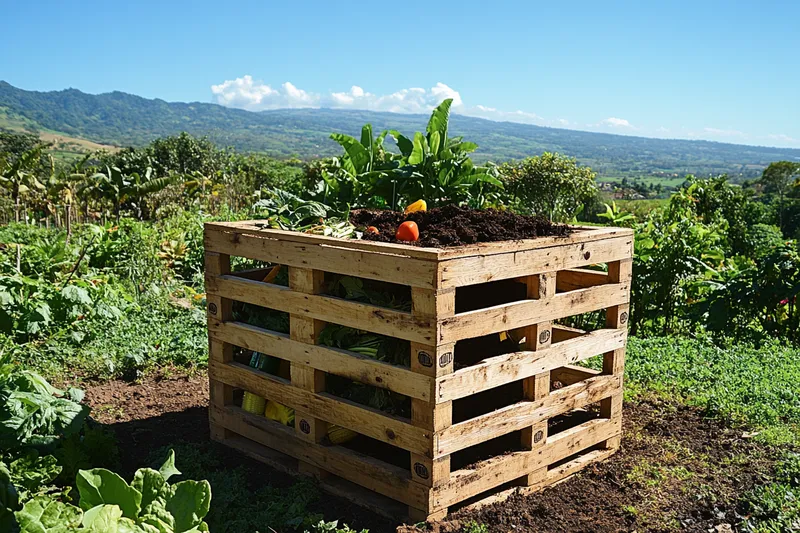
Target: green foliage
x,y
775,507
754,299
551,185
672,248
33,412
109,504
332,527
431,166
756,386
437,168
474,527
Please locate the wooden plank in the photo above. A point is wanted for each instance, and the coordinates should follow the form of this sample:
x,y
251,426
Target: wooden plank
x,y
361,419
367,471
569,374
432,361
503,369
525,414
393,268
579,235
522,313
307,330
218,309
343,363
579,278
483,268
502,469
555,476
537,337
349,313
249,227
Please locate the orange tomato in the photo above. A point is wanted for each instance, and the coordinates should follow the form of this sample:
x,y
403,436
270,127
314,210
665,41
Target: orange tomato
x,y
408,231
373,229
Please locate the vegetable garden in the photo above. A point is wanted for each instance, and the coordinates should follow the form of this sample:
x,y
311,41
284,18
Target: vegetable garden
x,y
102,289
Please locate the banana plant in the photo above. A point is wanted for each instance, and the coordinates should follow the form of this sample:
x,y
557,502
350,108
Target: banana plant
x,y
116,187
19,176
351,179
438,169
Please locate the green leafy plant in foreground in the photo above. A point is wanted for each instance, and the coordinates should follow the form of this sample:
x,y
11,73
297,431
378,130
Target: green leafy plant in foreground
x,y
149,504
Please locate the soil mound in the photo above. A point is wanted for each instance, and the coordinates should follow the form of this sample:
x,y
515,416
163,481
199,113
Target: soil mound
x,y
454,226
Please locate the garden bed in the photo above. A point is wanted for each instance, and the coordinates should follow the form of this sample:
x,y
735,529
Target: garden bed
x,y
491,397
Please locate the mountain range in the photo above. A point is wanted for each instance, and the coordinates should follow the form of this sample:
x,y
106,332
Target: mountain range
x,y
123,119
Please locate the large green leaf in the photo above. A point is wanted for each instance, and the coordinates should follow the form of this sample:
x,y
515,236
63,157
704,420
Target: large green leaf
x,y
151,484
168,469
439,119
357,159
45,515
418,152
76,295
435,143
102,519
405,144
189,504
100,486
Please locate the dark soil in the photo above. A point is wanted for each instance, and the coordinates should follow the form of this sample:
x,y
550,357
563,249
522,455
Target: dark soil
x,y
676,470
454,226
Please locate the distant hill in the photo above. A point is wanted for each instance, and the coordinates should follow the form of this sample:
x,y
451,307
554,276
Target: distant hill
x,y
127,120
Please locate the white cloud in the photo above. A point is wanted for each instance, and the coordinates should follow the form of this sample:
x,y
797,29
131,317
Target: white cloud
x,y
724,133
245,93
615,122
782,137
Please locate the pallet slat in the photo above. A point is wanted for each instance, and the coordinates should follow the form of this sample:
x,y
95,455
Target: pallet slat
x,y
393,268
502,369
362,419
482,268
332,360
349,313
519,314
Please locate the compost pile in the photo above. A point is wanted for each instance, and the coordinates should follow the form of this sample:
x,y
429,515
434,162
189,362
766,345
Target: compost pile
x,y
454,226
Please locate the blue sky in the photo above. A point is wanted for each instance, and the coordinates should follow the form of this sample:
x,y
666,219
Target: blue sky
x,y
725,71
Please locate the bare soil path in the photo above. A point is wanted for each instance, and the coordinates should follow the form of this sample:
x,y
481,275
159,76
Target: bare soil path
x,y
676,470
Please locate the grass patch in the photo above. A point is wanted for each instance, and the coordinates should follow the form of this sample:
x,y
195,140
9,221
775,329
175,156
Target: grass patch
x,y
756,386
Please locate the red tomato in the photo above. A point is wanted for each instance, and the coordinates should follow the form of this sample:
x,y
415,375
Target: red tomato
x,y
373,229
408,231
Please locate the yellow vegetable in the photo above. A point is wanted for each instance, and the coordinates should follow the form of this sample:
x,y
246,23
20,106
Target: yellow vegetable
x,y
340,435
279,413
419,205
253,404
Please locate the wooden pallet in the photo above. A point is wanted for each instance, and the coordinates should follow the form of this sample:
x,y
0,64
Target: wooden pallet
x,y
555,286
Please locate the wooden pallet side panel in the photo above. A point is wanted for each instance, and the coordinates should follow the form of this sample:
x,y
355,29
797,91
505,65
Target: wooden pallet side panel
x,y
432,360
